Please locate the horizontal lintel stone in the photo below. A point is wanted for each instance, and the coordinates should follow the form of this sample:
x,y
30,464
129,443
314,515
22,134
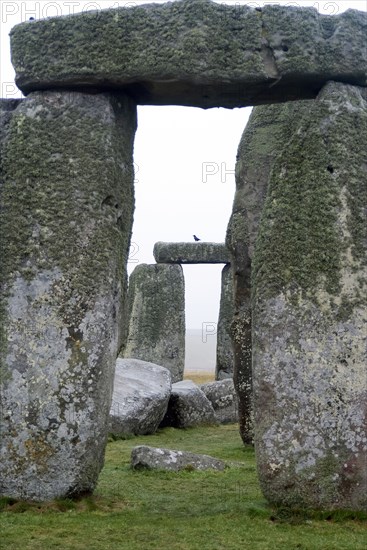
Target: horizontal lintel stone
x,y
191,253
193,52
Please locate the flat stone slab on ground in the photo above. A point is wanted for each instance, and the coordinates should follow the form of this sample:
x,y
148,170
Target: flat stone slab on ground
x,y
140,397
191,253
154,458
202,54
188,406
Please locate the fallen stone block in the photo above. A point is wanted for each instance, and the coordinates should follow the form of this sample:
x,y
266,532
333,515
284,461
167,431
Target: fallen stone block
x,y
188,406
153,458
140,397
222,395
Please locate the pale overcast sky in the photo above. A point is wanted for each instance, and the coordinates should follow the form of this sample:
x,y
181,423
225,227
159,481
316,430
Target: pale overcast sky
x,y
175,147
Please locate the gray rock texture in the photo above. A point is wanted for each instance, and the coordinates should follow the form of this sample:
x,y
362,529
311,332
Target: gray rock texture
x,y
193,52
268,130
140,397
66,194
153,458
310,311
188,406
225,359
191,253
266,134
157,317
222,395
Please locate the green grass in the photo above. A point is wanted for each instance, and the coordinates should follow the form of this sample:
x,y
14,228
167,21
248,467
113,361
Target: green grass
x,y
177,511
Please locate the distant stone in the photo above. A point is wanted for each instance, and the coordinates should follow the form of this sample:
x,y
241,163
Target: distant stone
x,y
225,358
140,397
204,54
153,458
191,253
157,317
222,395
188,406
310,311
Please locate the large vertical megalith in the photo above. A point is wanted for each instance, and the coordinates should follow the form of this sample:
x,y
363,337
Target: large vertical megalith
x,y
265,136
157,316
310,311
66,193
224,362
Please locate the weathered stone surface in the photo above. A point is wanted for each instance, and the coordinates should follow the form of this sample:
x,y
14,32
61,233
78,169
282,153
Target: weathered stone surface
x,y
8,105
188,406
310,311
140,397
153,458
157,317
191,253
266,134
224,363
193,52
268,130
66,193
7,108
222,395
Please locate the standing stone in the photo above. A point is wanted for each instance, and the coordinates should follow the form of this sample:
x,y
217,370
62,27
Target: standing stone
x,y
157,317
66,193
265,136
310,311
267,132
224,364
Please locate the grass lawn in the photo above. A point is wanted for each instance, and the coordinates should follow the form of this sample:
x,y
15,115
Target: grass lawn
x,y
176,511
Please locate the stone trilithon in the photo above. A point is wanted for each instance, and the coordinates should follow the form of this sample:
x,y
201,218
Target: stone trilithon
x,y
66,207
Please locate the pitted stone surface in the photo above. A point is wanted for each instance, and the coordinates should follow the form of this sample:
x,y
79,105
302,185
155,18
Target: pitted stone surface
x,y
193,52
140,397
191,253
154,458
225,359
66,193
157,317
222,395
188,406
310,311
269,129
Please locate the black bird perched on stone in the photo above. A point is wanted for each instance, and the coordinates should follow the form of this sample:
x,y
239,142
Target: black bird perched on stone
x,y
196,238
